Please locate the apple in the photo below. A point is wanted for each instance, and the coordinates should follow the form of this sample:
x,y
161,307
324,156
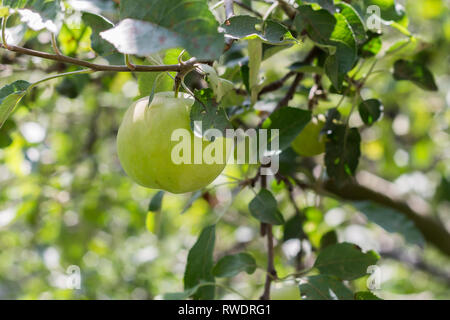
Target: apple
x,y
144,145
310,142
289,291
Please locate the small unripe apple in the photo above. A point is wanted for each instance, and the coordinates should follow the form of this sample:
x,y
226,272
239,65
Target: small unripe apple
x,y
144,145
310,142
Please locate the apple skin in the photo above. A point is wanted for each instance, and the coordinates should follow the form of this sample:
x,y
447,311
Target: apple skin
x,y
144,145
286,292
309,142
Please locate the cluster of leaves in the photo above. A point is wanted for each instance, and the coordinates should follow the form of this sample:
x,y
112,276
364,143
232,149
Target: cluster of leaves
x,y
341,44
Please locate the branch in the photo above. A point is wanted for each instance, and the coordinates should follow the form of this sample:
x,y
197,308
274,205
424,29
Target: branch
x,y
290,94
271,272
432,230
96,67
276,84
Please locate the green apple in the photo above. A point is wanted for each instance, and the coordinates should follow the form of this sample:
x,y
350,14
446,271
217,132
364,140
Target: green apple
x,y
310,142
145,146
289,291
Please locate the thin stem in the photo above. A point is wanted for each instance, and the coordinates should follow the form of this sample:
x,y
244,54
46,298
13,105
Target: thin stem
x,y
128,62
58,76
55,45
4,31
271,272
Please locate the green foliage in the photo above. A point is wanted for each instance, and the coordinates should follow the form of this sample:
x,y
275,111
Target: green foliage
x,y
148,27
10,96
324,287
415,72
65,200
264,208
230,266
200,264
392,221
344,261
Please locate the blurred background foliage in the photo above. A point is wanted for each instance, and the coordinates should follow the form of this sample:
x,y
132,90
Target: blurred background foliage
x,y
64,199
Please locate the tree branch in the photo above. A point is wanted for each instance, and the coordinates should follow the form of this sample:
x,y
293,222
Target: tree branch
x,y
97,67
271,272
249,9
432,230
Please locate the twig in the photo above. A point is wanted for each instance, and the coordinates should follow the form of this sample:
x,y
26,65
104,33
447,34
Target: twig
x,y
290,93
276,84
94,66
271,272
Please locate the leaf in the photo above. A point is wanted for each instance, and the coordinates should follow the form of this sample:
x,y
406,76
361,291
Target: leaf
x,y
293,228
38,14
156,202
248,27
370,111
98,24
366,295
354,20
5,138
231,265
390,10
332,119
344,261
10,96
391,220
219,85
200,263
322,287
289,122
150,26
328,239
325,4
372,46
264,207
335,34
342,152
416,73
181,295
206,112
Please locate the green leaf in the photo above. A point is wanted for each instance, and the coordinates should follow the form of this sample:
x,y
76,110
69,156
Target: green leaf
x,y
38,14
370,111
391,220
200,263
290,122
231,265
366,295
345,261
219,85
10,96
156,202
98,24
5,138
324,4
322,287
181,295
206,110
334,33
342,152
328,239
372,46
293,228
416,73
248,27
264,207
390,10
354,20
150,26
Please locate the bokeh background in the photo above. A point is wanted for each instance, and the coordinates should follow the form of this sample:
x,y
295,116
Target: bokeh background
x,y
64,199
